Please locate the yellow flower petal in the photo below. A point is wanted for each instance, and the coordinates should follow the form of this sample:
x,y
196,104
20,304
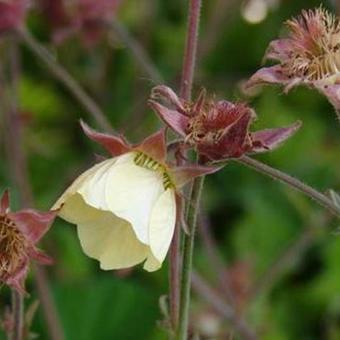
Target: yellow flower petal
x,y
109,239
162,224
123,214
152,264
93,189
131,192
75,210
79,182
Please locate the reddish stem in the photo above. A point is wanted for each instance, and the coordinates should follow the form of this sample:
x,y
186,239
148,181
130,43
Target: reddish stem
x,y
175,268
190,52
176,279
18,162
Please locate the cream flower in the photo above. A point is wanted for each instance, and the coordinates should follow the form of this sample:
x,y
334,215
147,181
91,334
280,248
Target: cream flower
x,y
125,206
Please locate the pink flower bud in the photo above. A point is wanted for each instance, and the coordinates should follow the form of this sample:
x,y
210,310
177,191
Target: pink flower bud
x,y
216,129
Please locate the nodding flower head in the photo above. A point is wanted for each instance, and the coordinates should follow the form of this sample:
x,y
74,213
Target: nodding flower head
x,y
19,233
309,55
315,46
216,129
125,207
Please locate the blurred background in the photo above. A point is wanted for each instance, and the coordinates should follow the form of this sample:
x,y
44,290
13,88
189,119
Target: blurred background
x,y
268,251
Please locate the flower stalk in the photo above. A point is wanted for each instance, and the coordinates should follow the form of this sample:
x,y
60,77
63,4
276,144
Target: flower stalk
x,y
188,250
190,52
189,62
293,182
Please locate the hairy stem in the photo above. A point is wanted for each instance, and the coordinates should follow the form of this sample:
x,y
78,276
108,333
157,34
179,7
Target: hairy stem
x,y
190,52
188,250
293,182
188,70
63,76
17,312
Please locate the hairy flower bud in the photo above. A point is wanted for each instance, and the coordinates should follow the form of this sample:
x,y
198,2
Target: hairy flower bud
x,y
217,129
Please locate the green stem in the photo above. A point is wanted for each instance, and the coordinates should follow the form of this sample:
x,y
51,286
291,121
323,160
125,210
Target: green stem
x,y
188,70
188,250
293,182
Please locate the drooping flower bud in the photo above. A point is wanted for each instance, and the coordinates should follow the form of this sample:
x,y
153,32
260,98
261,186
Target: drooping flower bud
x,y
309,55
19,233
125,207
217,129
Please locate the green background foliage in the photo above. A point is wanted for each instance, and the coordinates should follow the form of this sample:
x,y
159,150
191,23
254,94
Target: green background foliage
x,y
253,220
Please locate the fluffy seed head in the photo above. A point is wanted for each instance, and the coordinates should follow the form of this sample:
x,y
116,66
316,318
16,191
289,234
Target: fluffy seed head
x,y
315,46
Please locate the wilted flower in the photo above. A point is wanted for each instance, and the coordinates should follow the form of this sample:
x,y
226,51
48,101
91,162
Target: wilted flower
x,y
310,55
218,130
12,14
125,206
19,233
79,16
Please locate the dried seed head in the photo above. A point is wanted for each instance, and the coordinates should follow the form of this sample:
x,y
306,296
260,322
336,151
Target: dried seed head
x,y
13,248
210,123
315,46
